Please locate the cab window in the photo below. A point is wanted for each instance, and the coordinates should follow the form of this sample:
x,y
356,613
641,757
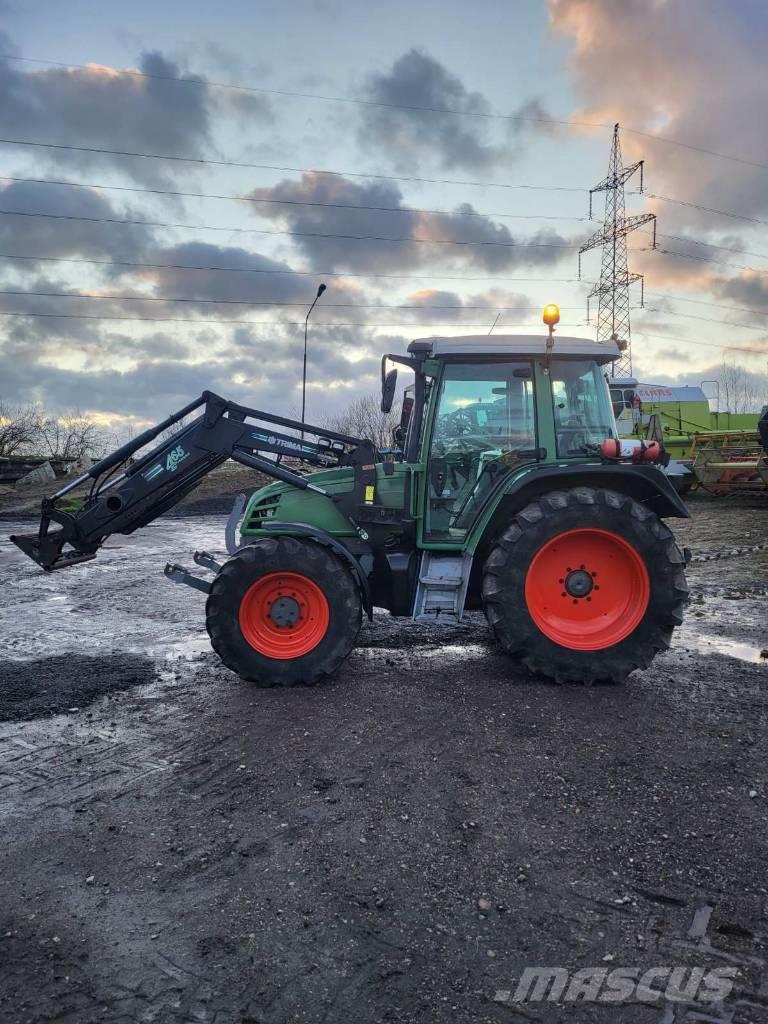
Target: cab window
x,y
582,406
622,401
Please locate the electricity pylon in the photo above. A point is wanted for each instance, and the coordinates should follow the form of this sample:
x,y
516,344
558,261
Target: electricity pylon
x,y
615,277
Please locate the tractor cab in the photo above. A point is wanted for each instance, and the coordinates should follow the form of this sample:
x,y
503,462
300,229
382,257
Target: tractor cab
x,y
492,409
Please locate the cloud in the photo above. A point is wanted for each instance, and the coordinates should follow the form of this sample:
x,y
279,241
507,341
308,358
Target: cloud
x,y
450,128
440,306
386,242
105,108
689,70
259,369
749,289
247,283
40,236
674,355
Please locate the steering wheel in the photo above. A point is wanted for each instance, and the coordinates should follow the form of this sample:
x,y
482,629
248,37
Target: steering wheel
x,y
573,438
457,424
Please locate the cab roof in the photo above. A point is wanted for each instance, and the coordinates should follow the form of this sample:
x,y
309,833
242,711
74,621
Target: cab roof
x,y
531,345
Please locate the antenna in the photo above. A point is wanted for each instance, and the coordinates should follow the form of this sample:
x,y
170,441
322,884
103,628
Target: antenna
x,y
615,277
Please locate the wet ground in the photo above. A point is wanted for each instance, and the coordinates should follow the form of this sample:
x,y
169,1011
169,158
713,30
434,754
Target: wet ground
x,y
395,845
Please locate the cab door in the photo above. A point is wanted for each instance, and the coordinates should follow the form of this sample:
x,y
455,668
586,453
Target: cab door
x,y
483,424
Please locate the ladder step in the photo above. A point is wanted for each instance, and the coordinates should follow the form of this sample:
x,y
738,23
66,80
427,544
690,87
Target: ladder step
x,y
442,596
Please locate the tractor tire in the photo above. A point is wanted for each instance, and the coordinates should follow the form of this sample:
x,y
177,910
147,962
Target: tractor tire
x,y
283,611
585,586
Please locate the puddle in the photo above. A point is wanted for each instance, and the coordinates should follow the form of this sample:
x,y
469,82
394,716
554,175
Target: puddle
x,y
733,649
448,651
184,647
455,650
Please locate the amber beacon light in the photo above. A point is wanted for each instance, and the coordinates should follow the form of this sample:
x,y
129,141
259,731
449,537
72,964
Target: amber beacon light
x,y
551,315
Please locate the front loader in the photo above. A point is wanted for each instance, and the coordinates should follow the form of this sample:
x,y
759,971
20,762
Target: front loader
x,y
510,493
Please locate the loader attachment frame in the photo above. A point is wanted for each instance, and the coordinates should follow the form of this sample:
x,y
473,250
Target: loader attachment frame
x,y
125,496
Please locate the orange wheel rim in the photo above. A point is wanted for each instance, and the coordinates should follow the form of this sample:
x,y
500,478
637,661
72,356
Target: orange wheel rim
x,y
284,615
587,589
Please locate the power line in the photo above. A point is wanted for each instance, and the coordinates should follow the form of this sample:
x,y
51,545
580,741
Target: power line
x,y
707,344
706,259
705,319
260,302
315,96
414,108
335,206
249,323
708,245
294,273
707,209
704,302
299,323
712,245
293,234
697,149
292,170
292,202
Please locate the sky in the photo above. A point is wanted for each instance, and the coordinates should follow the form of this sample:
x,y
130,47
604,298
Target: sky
x,y
464,139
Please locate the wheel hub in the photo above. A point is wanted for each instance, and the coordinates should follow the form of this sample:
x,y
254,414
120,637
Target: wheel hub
x,y
587,589
578,583
285,612
284,615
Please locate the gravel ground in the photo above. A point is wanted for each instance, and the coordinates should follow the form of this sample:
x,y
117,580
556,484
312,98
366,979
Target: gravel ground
x,y
396,845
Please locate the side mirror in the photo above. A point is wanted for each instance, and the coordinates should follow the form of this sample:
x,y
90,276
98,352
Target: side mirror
x,y
388,385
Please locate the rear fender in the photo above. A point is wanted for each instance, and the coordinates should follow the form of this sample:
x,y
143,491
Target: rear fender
x,y
646,484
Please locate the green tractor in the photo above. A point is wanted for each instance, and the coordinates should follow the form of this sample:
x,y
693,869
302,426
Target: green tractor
x,y
508,492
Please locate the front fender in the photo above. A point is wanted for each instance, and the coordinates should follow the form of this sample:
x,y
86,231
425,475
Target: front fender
x,y
324,538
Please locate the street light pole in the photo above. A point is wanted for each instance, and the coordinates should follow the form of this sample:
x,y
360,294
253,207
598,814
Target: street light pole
x,y
320,291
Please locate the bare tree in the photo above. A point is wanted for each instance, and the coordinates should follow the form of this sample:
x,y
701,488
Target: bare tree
x,y
740,389
19,429
364,418
71,436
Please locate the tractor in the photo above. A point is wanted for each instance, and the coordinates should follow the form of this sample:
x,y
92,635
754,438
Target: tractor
x,y
508,491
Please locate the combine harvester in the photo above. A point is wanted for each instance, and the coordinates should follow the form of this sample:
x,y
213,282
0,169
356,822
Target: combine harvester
x,y
506,498
718,451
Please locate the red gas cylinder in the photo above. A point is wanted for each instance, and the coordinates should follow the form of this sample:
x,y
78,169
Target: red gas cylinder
x,y
625,448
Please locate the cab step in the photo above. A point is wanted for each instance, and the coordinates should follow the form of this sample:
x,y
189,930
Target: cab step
x,y
442,587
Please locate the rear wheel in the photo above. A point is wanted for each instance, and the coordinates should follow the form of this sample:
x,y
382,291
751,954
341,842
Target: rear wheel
x,y
283,611
585,585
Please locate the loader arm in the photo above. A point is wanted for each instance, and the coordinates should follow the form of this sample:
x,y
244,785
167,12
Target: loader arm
x,y
125,496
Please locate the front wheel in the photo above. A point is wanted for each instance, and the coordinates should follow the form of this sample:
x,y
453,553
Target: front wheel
x,y
283,611
585,585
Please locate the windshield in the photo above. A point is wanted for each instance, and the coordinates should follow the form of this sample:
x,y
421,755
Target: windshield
x,y
582,406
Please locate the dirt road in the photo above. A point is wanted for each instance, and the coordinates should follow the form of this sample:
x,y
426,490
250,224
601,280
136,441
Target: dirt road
x,y
396,845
